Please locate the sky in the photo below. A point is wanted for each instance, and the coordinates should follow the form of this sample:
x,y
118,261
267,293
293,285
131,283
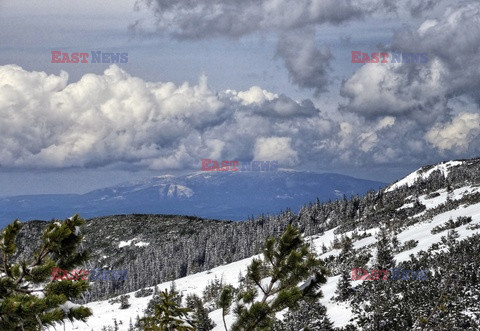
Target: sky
x,y
233,80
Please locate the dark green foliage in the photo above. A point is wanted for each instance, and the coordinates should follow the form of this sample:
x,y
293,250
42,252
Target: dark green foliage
x,y
450,224
310,315
286,262
409,244
384,250
344,286
201,321
212,291
157,299
20,308
225,301
168,315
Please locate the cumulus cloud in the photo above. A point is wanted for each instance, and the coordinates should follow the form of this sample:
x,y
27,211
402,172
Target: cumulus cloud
x,y
276,148
115,119
423,98
458,135
452,45
254,95
269,104
452,40
376,90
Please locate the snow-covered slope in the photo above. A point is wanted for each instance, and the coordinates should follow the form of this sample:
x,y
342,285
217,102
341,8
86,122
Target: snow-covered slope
x,y
420,208
424,173
340,313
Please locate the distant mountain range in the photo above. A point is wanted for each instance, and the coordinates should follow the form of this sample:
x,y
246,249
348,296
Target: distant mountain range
x,y
217,195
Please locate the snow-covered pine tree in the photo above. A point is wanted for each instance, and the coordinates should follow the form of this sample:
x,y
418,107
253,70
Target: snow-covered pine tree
x,y
130,325
344,286
124,304
21,307
384,250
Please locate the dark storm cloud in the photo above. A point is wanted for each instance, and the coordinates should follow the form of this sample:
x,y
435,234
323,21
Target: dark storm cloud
x,y
419,7
230,18
307,65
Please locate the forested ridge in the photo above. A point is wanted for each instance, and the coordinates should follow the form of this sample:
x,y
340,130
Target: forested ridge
x,y
166,247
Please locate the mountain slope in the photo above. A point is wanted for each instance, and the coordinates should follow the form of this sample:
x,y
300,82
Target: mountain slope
x,y
339,312
420,210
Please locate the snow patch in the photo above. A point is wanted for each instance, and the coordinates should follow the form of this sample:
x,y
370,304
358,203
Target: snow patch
x,y
125,243
179,191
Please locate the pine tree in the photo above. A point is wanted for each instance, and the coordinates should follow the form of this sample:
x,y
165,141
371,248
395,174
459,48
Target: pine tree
x,y
395,243
168,316
21,308
384,251
201,321
344,286
346,256
176,295
287,261
130,325
310,315
225,301
137,322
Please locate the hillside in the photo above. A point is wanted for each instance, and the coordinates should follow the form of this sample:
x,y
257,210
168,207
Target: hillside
x,y
419,211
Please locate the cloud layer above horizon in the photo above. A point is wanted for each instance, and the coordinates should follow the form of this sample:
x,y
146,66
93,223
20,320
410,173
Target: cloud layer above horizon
x,y
121,121
387,114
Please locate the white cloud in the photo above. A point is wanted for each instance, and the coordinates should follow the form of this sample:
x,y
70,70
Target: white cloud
x,y
426,25
276,148
379,89
456,135
117,120
255,95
